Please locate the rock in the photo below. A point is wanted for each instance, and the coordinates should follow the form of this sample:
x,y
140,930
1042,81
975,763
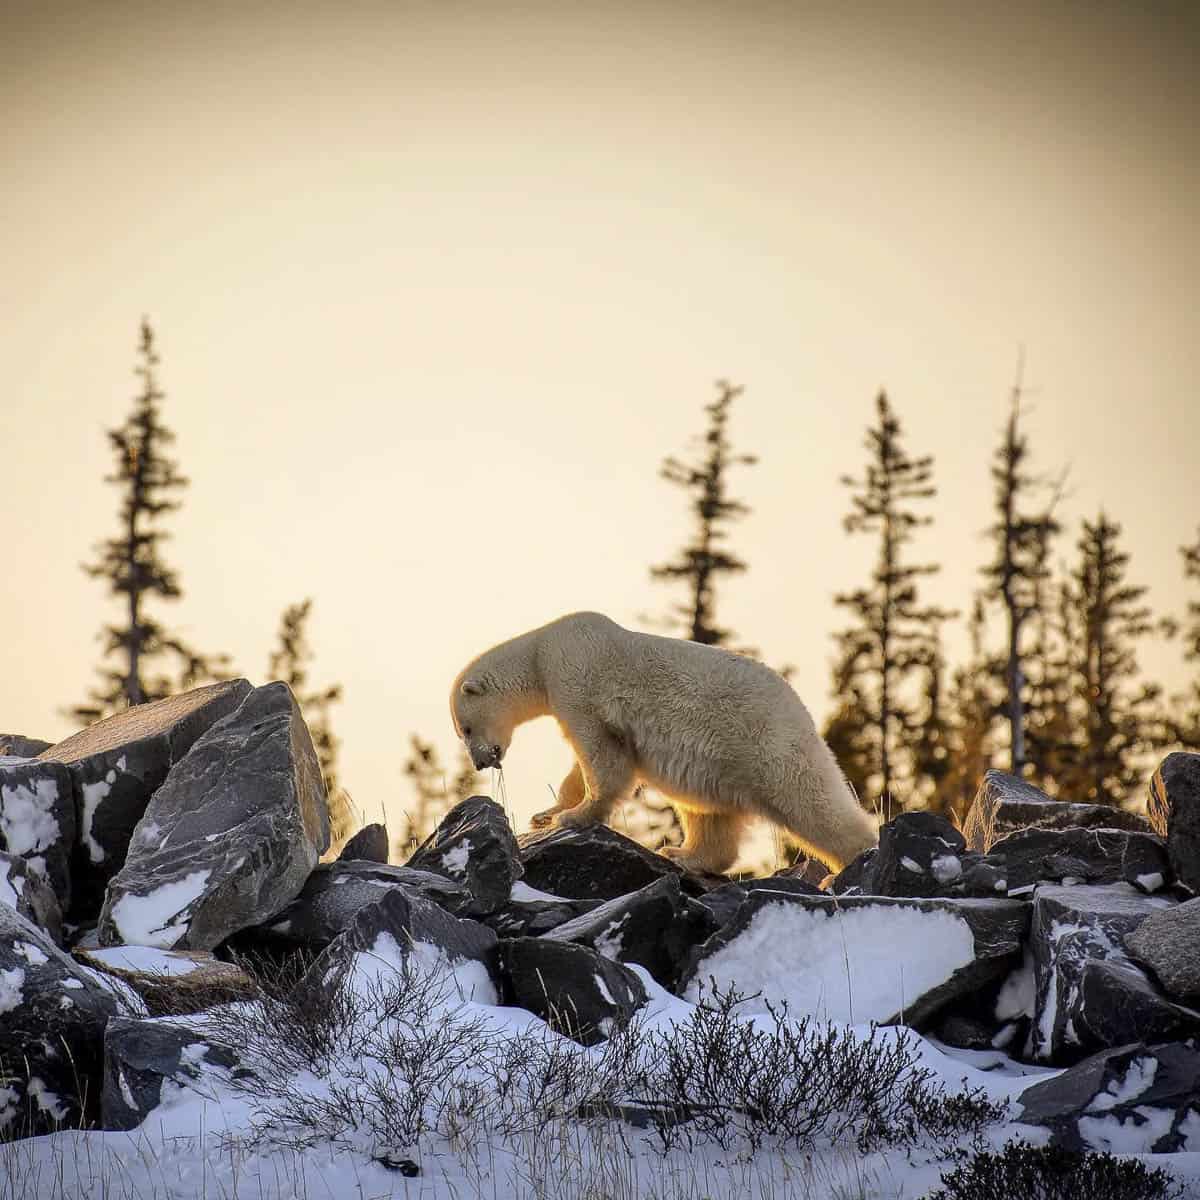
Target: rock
x,y
859,958
530,913
1074,927
28,891
574,989
920,854
724,901
52,1018
474,846
1168,942
1117,1000
1136,1099
16,745
596,863
810,870
335,893
141,1056
400,928
857,877
1081,855
369,844
116,765
172,982
657,927
37,820
231,835
1174,808
1005,804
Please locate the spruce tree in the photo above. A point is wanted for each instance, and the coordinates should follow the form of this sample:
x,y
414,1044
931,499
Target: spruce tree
x,y
933,740
883,652
133,565
848,730
1186,720
706,556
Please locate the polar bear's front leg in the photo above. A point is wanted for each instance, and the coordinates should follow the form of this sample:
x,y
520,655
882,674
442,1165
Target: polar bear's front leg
x,y
570,794
607,772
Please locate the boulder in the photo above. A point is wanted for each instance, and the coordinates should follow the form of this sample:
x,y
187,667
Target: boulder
x,y
474,846
1174,809
369,844
116,765
17,745
1073,929
724,901
574,989
657,927
52,1018
140,1057
1117,1000
1168,942
230,836
1135,1099
530,913
596,863
1093,856
28,891
37,820
857,877
859,958
920,854
172,982
1005,804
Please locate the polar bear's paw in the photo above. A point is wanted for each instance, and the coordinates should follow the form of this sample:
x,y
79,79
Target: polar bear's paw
x,y
684,858
572,818
544,820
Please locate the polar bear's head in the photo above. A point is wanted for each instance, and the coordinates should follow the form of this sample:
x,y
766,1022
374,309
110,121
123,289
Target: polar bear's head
x,y
484,719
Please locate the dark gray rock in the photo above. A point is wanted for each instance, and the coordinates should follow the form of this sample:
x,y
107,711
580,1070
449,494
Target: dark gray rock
x,y
27,890
38,820
533,917
1132,1099
172,982
369,844
724,901
843,958
474,846
810,870
116,765
400,923
920,854
857,877
52,1018
1174,809
1168,942
230,836
657,927
575,990
1117,1000
141,1055
1083,856
596,863
1074,927
17,745
335,893
1005,804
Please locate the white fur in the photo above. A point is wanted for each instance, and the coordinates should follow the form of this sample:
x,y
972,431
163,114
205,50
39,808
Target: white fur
x,y
721,736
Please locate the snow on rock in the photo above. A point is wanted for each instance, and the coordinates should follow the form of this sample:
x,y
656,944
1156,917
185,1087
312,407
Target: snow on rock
x,y
859,958
253,780
37,820
172,980
27,890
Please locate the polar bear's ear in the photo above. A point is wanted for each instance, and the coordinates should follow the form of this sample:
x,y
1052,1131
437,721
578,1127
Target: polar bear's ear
x,y
472,687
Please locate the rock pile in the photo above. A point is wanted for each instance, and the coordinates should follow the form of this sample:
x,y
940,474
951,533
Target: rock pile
x,y
176,834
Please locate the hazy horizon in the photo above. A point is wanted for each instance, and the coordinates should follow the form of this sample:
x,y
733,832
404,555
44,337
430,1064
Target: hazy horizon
x,y
436,287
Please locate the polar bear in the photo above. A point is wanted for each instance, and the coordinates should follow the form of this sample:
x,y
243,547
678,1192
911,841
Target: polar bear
x,y
721,736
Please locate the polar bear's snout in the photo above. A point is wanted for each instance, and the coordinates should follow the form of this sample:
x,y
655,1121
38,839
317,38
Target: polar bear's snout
x,y
485,756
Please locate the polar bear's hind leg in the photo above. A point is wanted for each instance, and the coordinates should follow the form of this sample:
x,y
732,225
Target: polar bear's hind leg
x,y
710,839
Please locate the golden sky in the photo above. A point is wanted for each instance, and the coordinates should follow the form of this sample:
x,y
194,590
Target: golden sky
x,y
438,285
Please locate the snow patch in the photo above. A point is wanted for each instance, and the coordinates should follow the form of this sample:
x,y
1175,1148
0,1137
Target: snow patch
x,y
93,795
27,822
30,953
153,920
11,983
455,861
1151,882
145,960
1130,1136
910,864
1018,993
1138,1078
603,990
522,893
946,867
45,1099
610,943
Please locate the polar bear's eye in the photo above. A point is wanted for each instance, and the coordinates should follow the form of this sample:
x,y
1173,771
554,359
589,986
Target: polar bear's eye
x,y
466,731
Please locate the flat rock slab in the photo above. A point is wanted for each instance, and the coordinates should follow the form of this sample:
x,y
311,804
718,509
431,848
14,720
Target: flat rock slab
x,y
1073,928
1005,804
859,958
141,1055
1174,809
52,1018
173,981
17,745
474,845
920,854
530,913
28,891
1136,1099
38,820
596,863
574,989
657,927
1168,942
369,844
1093,855
116,765
230,836
724,901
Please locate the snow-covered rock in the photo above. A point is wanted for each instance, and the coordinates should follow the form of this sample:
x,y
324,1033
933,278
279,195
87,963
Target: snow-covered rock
x,y
28,891
116,765
1093,855
172,980
920,854
37,820
1168,942
52,1018
859,958
230,836
530,913
1137,1099
576,990
1174,809
369,844
474,846
656,927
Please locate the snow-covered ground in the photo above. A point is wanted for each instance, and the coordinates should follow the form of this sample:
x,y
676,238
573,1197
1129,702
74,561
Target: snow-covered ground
x,y
213,1138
